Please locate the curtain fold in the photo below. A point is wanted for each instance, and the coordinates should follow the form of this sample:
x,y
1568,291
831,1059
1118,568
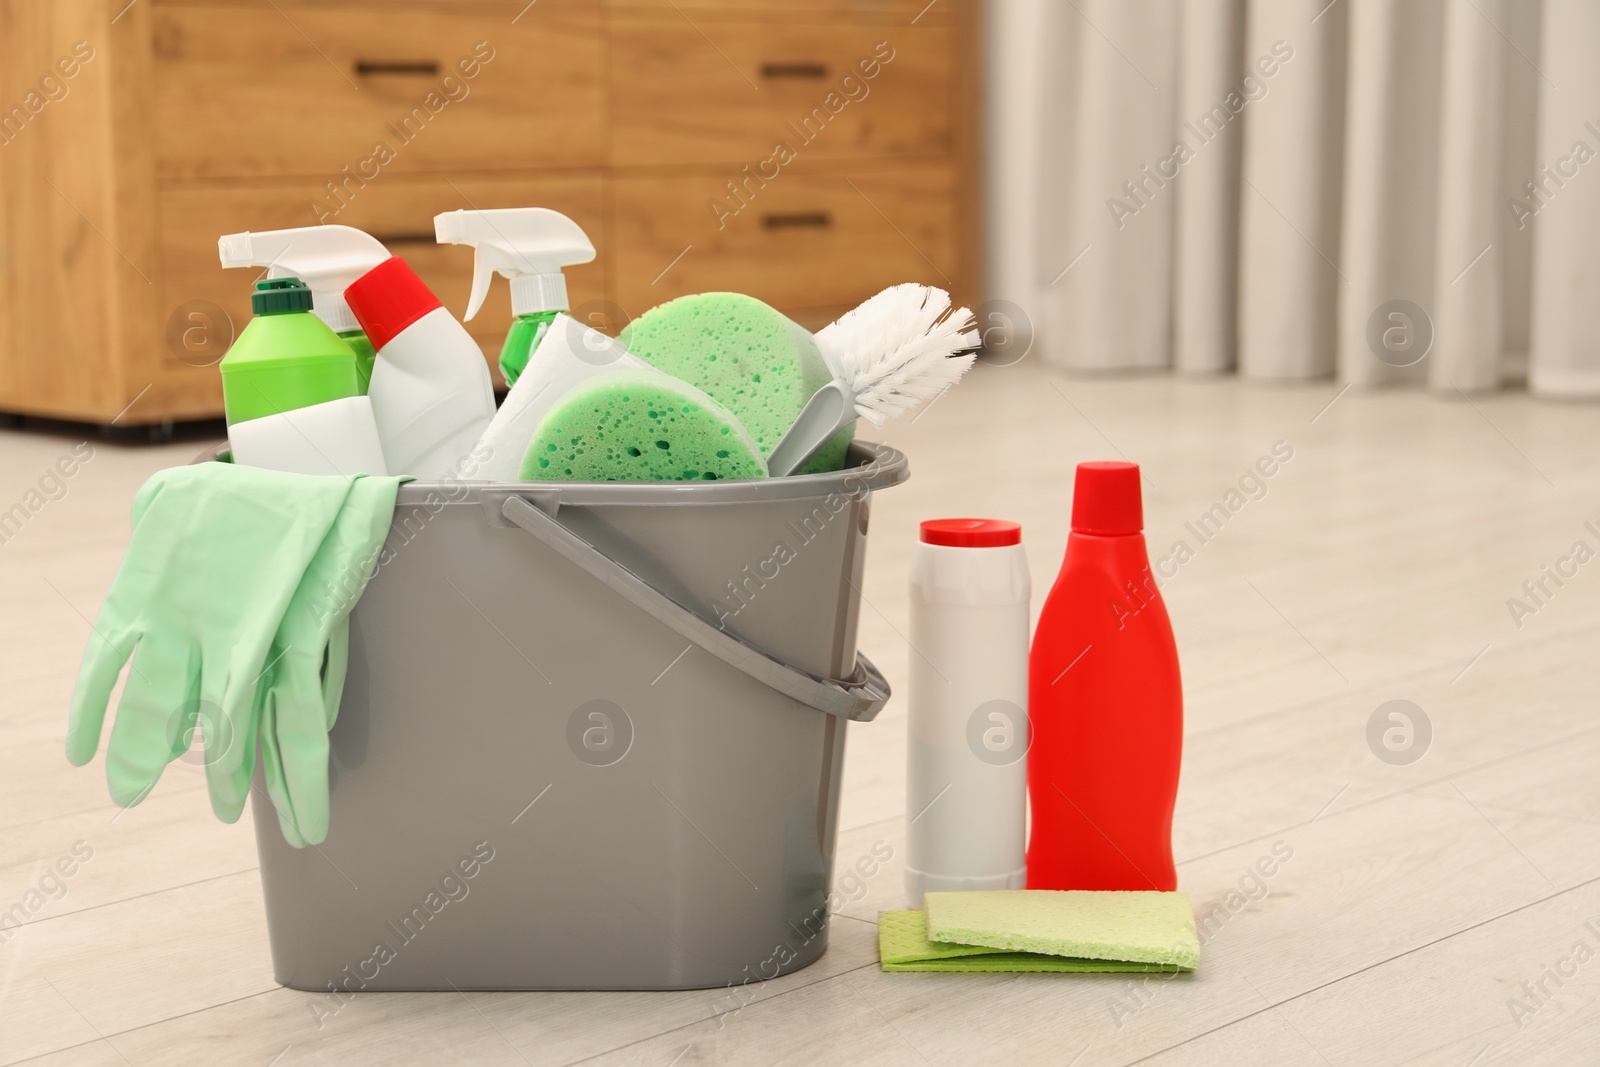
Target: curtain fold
x,y
1206,200
1108,208
1468,300
1564,187
1252,185
1391,173
1289,197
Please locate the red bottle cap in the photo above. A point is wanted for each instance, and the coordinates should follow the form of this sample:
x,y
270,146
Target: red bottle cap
x,y
387,299
1106,499
971,533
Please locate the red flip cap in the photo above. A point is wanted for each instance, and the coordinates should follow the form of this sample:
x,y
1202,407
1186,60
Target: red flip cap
x,y
971,533
1106,499
387,299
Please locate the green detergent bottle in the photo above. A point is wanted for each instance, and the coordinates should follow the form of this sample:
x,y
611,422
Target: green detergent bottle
x,y
285,358
291,391
529,245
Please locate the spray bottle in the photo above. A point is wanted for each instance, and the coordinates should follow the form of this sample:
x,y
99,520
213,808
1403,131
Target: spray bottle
x,y
327,259
529,245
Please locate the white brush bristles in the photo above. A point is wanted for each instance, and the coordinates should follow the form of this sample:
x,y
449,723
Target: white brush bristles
x,y
897,350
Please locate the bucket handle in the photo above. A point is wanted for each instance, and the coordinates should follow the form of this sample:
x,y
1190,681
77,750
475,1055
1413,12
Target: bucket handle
x,y
858,698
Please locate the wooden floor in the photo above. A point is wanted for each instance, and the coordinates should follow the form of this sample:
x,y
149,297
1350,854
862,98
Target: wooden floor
x,y
1442,911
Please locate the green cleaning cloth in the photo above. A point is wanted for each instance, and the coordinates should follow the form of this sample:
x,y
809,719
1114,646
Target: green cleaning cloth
x,y
747,356
904,946
217,555
1042,930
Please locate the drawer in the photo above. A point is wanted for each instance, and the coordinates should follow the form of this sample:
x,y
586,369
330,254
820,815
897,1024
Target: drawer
x,y
398,212
843,92
806,241
291,89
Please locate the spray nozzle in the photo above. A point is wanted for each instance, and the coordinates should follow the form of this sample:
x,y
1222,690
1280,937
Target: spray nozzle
x,y
326,258
529,245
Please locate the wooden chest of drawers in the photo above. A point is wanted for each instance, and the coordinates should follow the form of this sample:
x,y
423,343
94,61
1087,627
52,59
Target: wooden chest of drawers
x,y
807,153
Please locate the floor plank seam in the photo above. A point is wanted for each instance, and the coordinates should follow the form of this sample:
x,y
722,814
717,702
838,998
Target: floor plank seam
x,y
124,900
697,1022
106,1038
869,825
1307,705
843,915
1371,966
103,809
1568,819
1574,631
1397,793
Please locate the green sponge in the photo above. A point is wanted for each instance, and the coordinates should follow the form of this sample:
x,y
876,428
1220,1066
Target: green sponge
x,y
1131,926
746,356
903,945
640,426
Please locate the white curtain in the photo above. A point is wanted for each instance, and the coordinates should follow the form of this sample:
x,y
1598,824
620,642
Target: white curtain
x,y
1251,185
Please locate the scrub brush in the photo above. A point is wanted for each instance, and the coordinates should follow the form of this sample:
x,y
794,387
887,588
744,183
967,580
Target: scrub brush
x,y
899,349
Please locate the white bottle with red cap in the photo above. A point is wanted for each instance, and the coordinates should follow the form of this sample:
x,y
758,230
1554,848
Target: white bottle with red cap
x,y
967,735
431,393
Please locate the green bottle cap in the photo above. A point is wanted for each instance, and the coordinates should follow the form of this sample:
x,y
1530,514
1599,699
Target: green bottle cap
x,y
278,296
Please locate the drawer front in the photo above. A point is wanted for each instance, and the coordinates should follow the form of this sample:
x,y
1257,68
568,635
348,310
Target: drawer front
x,y
849,91
803,243
398,212
333,91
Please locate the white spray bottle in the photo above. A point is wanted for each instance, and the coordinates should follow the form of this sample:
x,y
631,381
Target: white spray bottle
x,y
529,246
431,394
327,259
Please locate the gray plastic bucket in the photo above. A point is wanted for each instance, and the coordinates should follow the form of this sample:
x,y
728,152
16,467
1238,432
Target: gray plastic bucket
x,y
591,738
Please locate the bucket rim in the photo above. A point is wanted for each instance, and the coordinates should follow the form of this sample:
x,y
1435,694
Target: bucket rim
x,y
876,466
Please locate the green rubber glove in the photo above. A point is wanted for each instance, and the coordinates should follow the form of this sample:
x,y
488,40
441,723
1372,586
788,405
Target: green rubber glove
x,y
300,694
217,552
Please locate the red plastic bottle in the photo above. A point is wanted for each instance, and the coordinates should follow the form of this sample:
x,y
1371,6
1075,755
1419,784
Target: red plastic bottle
x,y
1105,703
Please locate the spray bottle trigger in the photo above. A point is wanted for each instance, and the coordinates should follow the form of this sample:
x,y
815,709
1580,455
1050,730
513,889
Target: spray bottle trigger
x,y
482,274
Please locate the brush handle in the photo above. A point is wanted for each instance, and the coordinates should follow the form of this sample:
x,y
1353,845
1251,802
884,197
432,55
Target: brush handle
x,y
829,410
